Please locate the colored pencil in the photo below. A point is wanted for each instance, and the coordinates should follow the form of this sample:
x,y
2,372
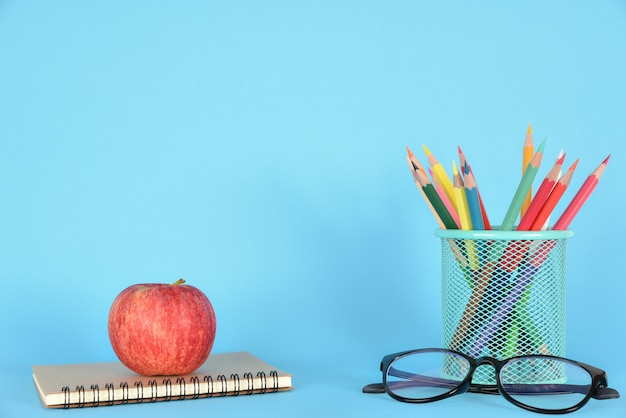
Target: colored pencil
x,y
541,254
473,201
413,159
581,196
441,175
522,189
508,262
515,250
516,292
472,306
476,299
444,198
547,222
436,201
413,168
432,196
500,281
539,223
460,198
553,199
526,327
414,164
464,215
467,168
417,166
527,156
538,258
541,196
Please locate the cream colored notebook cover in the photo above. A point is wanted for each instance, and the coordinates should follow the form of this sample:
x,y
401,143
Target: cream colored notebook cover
x,y
93,384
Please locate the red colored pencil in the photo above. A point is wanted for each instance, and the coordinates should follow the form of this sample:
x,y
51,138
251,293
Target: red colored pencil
x,y
581,196
541,196
553,199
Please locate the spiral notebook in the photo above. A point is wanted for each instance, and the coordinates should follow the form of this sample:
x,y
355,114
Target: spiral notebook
x,y
94,384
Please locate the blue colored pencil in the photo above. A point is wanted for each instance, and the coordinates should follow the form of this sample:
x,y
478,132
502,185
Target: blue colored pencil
x,y
473,201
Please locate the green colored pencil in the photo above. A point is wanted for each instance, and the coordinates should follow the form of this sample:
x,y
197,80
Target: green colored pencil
x,y
435,200
522,190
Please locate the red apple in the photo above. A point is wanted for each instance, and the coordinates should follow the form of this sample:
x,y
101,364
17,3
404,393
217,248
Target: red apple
x,y
162,329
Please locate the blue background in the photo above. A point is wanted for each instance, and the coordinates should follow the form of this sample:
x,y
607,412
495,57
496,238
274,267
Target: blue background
x,y
257,149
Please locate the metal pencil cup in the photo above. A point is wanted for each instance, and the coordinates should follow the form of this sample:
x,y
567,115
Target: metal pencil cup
x,y
503,295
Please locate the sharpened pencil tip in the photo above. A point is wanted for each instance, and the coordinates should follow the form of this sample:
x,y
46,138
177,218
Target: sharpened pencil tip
x,y
410,152
455,170
462,159
561,159
575,164
426,149
530,130
542,146
606,161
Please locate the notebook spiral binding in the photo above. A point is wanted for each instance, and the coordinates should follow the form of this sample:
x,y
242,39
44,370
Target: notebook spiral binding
x,y
217,387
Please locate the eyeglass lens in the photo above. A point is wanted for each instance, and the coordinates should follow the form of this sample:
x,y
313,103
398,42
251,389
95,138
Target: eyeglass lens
x,y
427,374
545,383
538,382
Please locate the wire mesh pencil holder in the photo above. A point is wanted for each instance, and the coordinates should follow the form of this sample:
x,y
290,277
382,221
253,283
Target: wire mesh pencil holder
x,y
503,295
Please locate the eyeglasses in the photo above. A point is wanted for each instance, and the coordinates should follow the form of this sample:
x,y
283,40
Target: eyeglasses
x,y
538,383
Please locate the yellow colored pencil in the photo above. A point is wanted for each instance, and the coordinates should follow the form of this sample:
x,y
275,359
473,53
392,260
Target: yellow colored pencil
x,y
461,199
464,215
444,198
441,175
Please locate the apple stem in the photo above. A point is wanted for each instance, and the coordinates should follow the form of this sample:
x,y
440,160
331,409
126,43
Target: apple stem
x,y
177,282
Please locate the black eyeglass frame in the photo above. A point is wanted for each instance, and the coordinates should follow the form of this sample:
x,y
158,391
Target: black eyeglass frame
x,y
598,390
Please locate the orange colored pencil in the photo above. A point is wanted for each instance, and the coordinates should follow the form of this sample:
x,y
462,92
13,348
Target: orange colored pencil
x,y
581,196
542,195
527,156
553,199
414,159
522,189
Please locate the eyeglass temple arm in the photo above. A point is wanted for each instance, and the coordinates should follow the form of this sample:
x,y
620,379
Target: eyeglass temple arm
x,y
413,379
601,393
